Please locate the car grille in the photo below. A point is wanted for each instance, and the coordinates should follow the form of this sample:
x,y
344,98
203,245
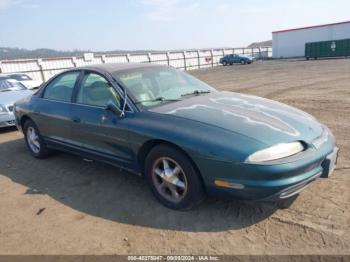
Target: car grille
x,y
10,108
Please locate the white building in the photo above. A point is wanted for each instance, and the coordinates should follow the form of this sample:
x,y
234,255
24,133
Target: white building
x,y
291,42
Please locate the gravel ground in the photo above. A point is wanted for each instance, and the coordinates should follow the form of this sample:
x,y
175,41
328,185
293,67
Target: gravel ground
x,y
64,205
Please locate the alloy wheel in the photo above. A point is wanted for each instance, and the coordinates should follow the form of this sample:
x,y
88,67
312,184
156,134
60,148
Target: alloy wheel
x,y
169,179
33,139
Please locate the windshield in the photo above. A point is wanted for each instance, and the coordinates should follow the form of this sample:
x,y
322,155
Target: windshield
x,y
6,85
157,85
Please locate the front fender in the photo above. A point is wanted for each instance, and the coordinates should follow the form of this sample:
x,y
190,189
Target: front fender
x,y
195,138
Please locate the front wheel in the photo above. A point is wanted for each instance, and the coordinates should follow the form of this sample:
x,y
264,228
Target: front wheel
x,y
224,63
243,62
173,178
34,141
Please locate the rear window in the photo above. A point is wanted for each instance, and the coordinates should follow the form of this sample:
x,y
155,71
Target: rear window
x,y
21,77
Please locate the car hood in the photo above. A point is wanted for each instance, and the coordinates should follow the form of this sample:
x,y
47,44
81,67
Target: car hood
x,y
267,121
10,97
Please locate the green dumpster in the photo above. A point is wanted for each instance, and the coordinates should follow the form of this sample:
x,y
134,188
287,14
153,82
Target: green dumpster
x,y
331,48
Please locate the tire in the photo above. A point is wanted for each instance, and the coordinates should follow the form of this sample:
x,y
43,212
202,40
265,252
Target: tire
x,y
36,146
242,62
231,64
188,191
224,63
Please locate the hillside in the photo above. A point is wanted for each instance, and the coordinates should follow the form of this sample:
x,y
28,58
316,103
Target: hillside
x,y
19,53
263,43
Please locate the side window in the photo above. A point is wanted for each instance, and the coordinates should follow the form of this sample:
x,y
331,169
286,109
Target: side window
x,y
96,91
61,88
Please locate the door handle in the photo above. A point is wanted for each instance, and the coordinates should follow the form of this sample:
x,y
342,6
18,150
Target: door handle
x,y
76,119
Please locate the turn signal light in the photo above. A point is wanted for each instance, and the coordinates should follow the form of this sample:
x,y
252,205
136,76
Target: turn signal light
x,y
222,183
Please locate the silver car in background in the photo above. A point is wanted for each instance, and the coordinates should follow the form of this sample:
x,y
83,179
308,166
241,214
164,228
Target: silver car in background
x,y
23,78
10,92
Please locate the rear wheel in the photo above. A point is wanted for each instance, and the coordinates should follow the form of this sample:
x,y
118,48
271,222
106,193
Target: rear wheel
x,y
224,63
172,178
243,62
34,141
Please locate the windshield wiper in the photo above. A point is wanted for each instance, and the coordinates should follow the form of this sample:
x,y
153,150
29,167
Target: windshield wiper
x,y
156,99
5,90
197,92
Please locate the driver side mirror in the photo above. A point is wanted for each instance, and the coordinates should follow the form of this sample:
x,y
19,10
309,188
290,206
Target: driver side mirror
x,y
115,109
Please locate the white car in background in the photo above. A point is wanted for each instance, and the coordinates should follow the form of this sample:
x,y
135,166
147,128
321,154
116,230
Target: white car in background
x,y
25,79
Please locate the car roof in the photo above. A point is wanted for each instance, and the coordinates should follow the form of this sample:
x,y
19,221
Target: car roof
x,y
11,74
3,77
115,67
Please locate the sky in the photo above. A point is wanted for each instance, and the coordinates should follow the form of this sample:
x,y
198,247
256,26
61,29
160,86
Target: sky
x,y
156,24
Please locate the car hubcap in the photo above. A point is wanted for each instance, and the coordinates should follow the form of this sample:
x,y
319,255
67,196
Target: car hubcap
x,y
169,179
33,140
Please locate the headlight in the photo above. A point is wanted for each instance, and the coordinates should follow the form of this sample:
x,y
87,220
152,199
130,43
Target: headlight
x,y
276,152
2,109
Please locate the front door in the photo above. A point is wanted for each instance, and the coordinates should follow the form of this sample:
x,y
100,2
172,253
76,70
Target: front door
x,y
235,58
94,129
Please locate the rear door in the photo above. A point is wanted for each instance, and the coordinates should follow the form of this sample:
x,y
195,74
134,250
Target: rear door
x,y
52,112
94,129
229,59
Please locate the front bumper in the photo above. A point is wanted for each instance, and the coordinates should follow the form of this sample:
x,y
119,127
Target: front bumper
x,y
266,182
294,189
7,119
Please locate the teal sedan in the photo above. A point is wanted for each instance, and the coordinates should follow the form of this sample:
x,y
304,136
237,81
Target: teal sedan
x,y
236,59
186,138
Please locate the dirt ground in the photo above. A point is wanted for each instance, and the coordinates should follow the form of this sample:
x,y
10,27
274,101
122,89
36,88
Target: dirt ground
x,y
64,205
